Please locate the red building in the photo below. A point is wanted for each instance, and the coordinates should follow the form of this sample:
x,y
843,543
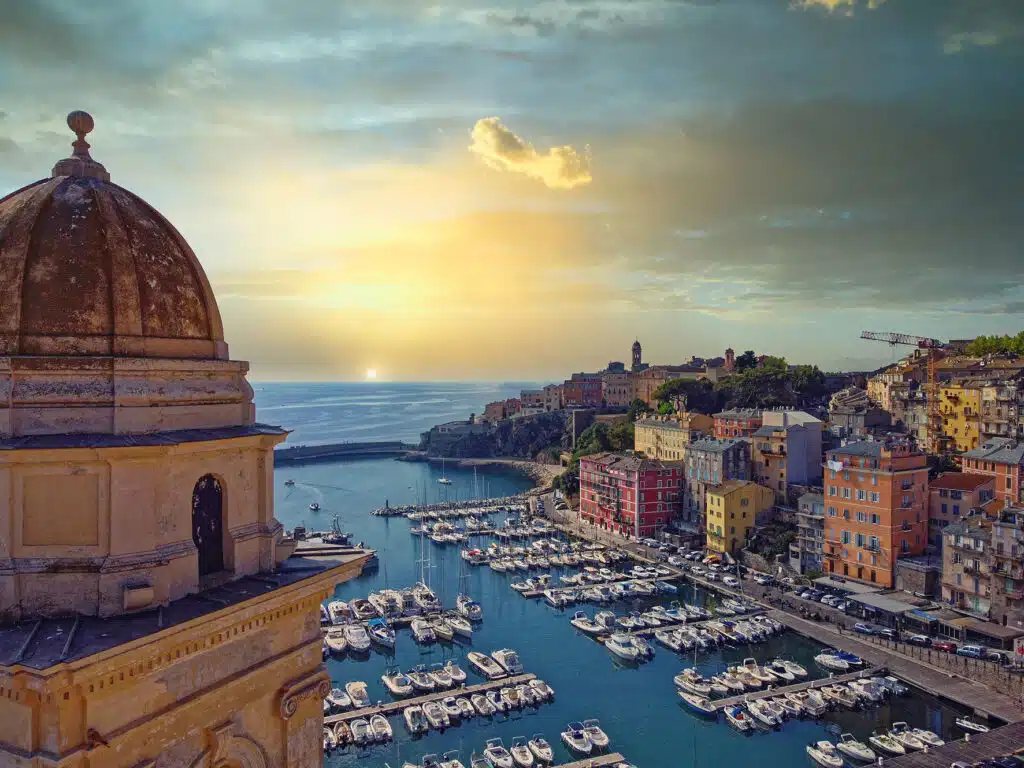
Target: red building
x,y
739,422
582,390
629,495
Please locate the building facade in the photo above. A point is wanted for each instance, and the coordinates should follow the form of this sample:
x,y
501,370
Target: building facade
x,y
807,552
786,449
1001,409
967,566
952,496
552,397
629,495
732,510
1008,568
532,398
960,409
616,388
583,390
152,612
999,458
711,462
876,498
738,422
667,437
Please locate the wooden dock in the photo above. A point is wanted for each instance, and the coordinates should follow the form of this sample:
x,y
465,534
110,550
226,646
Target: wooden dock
x,y
999,741
395,707
771,693
669,624
596,761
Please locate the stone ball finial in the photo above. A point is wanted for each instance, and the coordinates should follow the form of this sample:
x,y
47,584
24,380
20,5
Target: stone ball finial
x,y
80,163
80,122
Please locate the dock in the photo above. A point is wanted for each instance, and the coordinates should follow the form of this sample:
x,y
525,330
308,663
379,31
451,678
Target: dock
x,y
395,707
596,761
982,746
771,693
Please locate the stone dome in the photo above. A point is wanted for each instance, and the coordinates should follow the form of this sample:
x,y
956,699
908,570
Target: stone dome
x,y
88,268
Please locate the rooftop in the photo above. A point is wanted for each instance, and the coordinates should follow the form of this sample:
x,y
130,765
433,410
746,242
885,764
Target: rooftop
x,y
625,462
729,487
714,445
999,450
174,437
768,431
740,413
959,481
846,585
889,603
42,644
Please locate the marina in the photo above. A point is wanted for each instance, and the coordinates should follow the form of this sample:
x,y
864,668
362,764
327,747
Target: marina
x,y
773,692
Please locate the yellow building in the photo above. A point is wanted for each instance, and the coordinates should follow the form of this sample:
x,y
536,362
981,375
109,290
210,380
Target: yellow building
x,y
960,407
731,510
152,613
666,437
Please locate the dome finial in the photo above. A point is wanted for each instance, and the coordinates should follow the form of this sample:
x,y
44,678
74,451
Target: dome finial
x,y
80,163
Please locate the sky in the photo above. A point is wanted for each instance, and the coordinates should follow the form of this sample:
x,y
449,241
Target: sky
x,y
479,189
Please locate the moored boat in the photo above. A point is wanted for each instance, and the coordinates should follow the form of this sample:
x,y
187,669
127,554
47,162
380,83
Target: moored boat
x,y
357,692
381,728
358,639
824,753
509,660
541,748
598,738
700,704
338,699
436,715
521,753
335,640
576,739
497,755
397,683
485,665
857,750
887,744
902,733
455,672
738,718
967,724
361,731
832,662
483,707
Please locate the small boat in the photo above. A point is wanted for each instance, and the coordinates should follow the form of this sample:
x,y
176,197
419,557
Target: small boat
x,y
692,681
339,611
455,672
851,659
427,761
728,682
598,738
415,720
765,678
585,624
472,610
483,707
511,698
422,632
459,624
496,701
867,690
314,507
421,679
335,640
738,719
792,667
330,740
840,694
357,692
485,665
832,662
791,707
763,714
436,715
902,733
478,761
338,699
887,744
623,646
748,680
576,739
442,629
930,738
811,701
969,725
542,690
666,587
541,749
466,709
381,728
891,684
509,660
441,676
521,753
289,482
451,708
451,760
773,708
778,669
497,755
361,732
342,733
397,684
857,750
381,633
824,753
358,639
700,704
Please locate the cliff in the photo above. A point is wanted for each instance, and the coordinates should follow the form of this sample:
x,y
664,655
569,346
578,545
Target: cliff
x,y
524,437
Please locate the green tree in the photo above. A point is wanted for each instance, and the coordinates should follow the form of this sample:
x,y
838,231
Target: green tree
x,y
637,408
666,408
997,345
746,361
700,395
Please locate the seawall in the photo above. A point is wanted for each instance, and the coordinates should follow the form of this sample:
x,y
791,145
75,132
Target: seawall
x,y
301,454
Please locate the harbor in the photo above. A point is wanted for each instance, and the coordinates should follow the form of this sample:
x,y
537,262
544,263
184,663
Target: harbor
x,y
772,692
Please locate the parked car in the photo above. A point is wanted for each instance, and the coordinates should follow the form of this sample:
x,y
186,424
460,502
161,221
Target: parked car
x,y
764,580
944,645
675,560
889,634
999,656
806,594
712,576
842,605
971,651
922,640
863,629
730,581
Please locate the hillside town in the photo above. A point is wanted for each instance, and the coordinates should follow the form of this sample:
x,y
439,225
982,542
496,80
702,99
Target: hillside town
x,y
904,482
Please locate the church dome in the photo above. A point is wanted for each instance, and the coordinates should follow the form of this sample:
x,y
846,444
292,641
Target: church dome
x,y
88,268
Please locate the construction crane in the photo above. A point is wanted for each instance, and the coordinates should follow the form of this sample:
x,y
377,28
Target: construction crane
x,y
931,387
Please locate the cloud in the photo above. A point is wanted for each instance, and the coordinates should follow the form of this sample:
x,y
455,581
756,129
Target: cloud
x,y
558,168
832,6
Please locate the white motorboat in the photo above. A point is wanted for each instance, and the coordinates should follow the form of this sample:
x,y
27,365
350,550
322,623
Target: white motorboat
x,y
451,760
361,731
451,708
748,680
541,748
969,725
422,632
930,738
699,704
455,672
478,761
381,633
496,701
576,739
542,690
483,707
459,624
791,707
485,665
358,639
511,698
765,678
887,744
441,676
381,728
509,660
824,753
832,662
442,629
339,611
902,733
763,714
421,679
397,684
598,738
728,682
466,709
623,646
497,755
858,750
773,707
778,669
335,640
472,610
692,681
436,715
330,740
867,690
810,701
585,624
338,699
357,692
793,668
738,719
670,639
521,753
415,720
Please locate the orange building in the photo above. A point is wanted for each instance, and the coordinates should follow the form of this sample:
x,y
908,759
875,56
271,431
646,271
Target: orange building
x,y
738,422
952,495
1001,459
876,509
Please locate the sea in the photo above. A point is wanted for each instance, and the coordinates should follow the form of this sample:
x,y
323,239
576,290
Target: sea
x,y
636,705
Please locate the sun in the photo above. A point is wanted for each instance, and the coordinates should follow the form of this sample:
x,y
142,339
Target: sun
x,y
371,374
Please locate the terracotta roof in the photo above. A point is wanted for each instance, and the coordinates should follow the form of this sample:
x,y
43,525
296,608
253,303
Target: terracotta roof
x,y
960,481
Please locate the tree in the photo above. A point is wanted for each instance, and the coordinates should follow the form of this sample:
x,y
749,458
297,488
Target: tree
x,y
700,396
746,361
997,345
666,408
637,408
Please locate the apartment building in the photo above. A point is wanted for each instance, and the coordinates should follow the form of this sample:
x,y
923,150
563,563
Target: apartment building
x,y
616,387
708,462
737,422
806,553
582,390
1000,458
532,398
667,437
1001,409
786,449
876,498
552,397
732,510
1008,568
951,497
960,409
629,495
967,565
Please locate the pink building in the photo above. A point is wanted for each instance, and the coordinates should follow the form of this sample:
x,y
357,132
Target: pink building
x,y
629,495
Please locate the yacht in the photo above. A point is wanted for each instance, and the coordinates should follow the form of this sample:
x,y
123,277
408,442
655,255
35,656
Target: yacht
x,y
622,646
541,749
857,750
486,666
508,659
358,639
497,756
357,692
839,694
790,706
335,640
810,700
422,632
442,479
381,728
521,753
887,744
415,721
397,684
576,739
363,610
867,690
824,753
472,610
289,482
381,633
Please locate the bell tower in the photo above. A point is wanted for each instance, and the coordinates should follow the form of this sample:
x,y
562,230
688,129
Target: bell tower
x,y
637,355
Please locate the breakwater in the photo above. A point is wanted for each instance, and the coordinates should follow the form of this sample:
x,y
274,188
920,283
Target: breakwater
x,y
302,454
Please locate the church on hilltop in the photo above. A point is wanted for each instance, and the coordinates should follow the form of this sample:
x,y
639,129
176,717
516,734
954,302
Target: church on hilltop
x,y
152,612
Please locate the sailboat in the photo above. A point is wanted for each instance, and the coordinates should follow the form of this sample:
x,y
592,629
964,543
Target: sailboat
x,y
442,479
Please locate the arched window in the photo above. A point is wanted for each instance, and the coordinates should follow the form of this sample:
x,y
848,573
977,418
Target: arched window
x,y
208,524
